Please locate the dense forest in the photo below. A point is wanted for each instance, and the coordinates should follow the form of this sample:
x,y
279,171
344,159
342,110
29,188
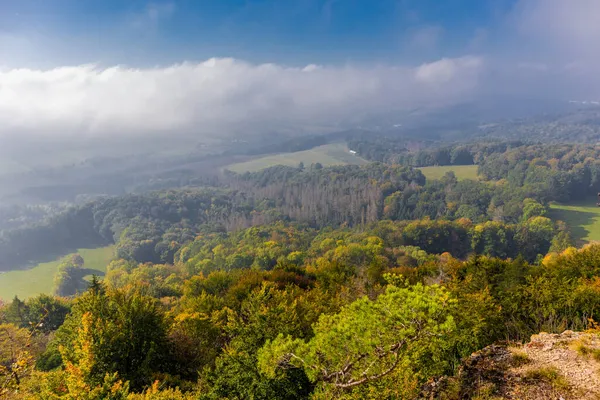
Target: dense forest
x,y
350,282
287,311
150,227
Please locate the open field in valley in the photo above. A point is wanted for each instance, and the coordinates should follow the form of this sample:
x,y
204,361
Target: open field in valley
x,y
40,279
327,155
583,219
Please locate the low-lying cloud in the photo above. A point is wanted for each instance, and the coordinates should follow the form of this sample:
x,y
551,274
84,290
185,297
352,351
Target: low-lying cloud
x,y
219,94
543,48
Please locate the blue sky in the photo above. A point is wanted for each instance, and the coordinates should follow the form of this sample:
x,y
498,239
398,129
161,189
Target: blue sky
x,y
140,32
132,66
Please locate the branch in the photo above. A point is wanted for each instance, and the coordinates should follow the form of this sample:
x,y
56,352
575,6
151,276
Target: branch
x,y
328,377
292,355
370,378
334,376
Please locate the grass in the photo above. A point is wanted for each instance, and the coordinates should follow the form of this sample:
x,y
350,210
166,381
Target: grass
x,y
550,375
486,392
582,347
520,358
327,155
461,171
583,219
40,279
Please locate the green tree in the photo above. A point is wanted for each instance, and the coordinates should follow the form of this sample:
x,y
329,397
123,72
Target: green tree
x,y
46,313
263,315
15,312
68,278
461,156
115,331
532,208
17,356
369,340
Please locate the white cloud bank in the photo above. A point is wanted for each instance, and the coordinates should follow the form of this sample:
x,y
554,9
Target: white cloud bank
x,y
218,94
545,48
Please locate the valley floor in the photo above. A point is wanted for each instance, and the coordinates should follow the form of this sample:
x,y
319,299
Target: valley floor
x,y
583,219
326,155
30,282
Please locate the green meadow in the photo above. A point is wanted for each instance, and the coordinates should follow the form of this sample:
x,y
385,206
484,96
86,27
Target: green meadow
x,y
583,219
40,279
327,155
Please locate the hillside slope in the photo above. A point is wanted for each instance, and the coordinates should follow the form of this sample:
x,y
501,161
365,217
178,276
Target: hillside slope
x,y
551,366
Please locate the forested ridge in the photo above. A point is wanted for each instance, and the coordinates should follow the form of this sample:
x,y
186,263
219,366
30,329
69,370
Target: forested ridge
x,y
345,282
150,227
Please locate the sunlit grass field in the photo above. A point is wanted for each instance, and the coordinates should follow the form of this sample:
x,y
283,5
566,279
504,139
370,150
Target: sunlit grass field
x,y
327,155
583,219
40,279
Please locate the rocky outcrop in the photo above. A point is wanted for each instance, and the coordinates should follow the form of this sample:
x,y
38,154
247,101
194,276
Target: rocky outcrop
x,y
551,366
